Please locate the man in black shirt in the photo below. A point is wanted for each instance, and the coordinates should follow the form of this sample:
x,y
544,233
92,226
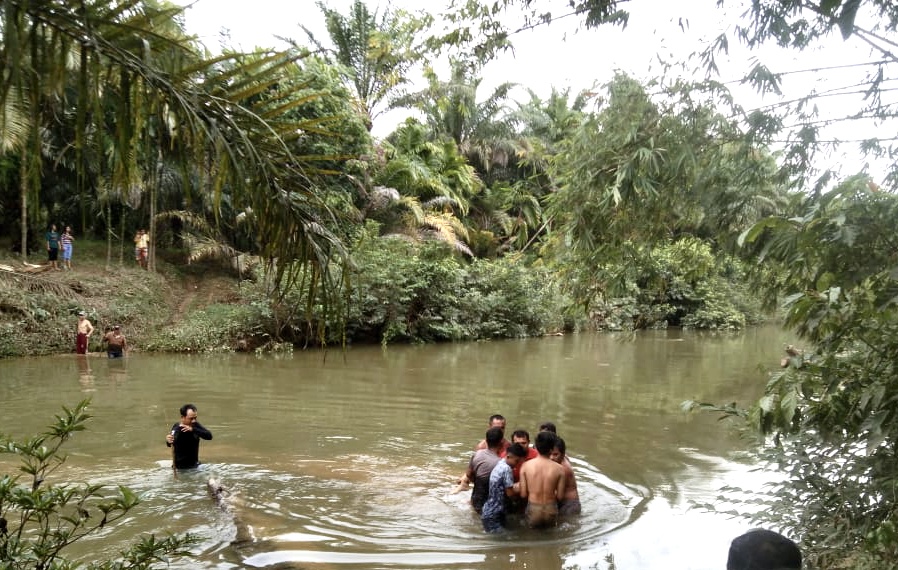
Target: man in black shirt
x,y
185,437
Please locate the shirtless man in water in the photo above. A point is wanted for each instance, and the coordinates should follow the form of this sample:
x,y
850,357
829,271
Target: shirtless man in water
x,y
85,329
542,484
115,342
570,502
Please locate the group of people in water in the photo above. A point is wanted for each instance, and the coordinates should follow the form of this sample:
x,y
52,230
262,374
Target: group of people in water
x,y
510,476
513,477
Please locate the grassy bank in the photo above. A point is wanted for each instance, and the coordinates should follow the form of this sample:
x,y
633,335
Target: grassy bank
x,y
38,312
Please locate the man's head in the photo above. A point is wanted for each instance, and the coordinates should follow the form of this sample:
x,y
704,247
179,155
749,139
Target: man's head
x,y
117,328
81,315
188,414
515,454
762,549
545,441
498,420
521,436
494,437
558,451
547,426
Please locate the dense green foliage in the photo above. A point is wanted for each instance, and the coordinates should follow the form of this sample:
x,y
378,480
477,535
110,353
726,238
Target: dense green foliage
x,y
621,208
40,519
835,405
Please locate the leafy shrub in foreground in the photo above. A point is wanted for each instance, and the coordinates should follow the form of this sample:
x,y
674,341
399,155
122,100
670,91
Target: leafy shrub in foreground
x,y
40,519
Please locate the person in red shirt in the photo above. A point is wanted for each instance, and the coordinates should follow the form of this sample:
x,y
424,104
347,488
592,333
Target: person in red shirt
x,y
522,436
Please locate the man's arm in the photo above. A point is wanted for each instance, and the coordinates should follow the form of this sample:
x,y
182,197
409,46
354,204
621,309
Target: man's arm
x,y
522,484
510,490
90,328
559,488
201,432
469,474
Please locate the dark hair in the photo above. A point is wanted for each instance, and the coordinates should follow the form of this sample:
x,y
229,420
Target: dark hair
x,y
559,444
545,441
520,433
547,426
186,407
517,450
762,549
495,417
494,437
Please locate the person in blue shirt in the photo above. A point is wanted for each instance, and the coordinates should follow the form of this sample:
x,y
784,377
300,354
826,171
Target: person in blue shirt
x,y
501,487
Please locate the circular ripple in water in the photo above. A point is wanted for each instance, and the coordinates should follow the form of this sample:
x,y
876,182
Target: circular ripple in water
x,y
360,510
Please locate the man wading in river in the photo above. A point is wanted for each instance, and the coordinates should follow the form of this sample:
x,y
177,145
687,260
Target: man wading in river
x,y
542,484
185,438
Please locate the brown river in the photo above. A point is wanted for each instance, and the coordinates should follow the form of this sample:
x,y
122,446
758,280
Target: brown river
x,y
347,459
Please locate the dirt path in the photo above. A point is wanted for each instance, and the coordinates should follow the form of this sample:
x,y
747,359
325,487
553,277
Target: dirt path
x,y
200,291
191,289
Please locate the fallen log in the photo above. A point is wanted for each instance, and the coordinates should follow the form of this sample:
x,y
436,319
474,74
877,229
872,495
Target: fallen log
x,y
230,503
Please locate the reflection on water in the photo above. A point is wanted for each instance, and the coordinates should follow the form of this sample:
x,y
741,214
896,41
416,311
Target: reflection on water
x,y
348,461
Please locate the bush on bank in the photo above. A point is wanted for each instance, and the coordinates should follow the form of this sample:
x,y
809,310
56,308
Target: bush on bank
x,y
679,283
405,291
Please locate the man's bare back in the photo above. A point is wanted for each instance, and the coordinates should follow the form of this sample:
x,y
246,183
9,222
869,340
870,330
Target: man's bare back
x,y
543,479
542,484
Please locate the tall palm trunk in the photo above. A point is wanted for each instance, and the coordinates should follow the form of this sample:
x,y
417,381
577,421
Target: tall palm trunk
x,y
108,235
121,249
23,188
154,192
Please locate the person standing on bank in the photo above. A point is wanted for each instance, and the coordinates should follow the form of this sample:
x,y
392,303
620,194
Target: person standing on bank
x,y
142,248
185,437
53,246
67,240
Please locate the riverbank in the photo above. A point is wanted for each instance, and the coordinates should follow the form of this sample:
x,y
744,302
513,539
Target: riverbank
x,y
38,311
401,293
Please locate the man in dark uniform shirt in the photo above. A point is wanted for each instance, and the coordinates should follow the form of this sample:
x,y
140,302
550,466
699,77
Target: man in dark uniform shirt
x,y
185,437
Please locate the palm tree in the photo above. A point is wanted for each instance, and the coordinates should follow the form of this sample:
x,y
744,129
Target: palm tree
x,y
171,105
376,52
483,130
424,188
